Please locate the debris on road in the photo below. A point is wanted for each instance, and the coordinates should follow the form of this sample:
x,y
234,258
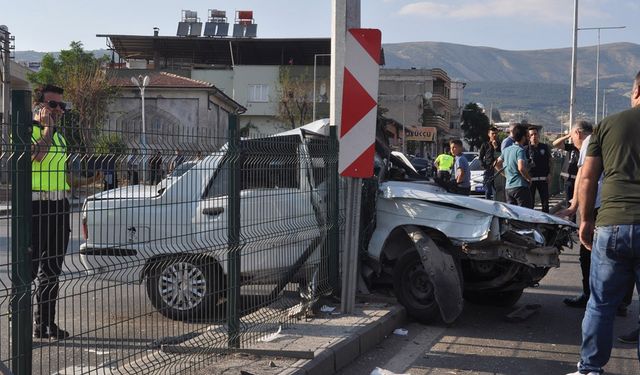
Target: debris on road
x,y
523,313
400,332
381,371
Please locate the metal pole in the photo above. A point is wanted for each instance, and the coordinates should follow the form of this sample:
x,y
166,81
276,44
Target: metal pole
x,y
313,117
5,68
604,102
333,212
595,112
346,15
233,234
403,128
574,50
21,323
598,62
144,139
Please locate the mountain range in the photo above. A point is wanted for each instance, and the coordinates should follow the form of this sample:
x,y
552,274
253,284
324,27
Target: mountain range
x,y
532,85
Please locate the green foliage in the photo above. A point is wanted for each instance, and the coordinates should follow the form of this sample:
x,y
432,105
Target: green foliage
x,y
475,125
85,85
110,143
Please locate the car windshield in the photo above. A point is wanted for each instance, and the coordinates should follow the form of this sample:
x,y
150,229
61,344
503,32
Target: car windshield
x,y
475,165
182,168
470,155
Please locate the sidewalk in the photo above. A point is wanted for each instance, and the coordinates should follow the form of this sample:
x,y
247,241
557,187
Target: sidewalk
x,y
321,345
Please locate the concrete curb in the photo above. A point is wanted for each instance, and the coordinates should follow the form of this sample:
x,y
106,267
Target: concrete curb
x,y
339,354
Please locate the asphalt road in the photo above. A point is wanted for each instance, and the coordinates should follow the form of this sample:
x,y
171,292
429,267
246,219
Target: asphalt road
x,y
111,323
482,342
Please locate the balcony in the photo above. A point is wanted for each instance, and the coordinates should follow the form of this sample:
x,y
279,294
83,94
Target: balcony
x,y
439,122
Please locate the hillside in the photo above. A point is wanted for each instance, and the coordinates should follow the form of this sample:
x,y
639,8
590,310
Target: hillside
x,y
528,84
521,84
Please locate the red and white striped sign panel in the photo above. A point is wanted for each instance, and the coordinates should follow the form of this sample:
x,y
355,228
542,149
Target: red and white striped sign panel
x,y
359,102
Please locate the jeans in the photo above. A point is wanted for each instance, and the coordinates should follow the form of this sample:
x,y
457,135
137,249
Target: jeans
x,y
488,184
616,263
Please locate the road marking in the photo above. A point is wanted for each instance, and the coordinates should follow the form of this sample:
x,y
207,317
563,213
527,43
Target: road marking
x,y
98,352
410,351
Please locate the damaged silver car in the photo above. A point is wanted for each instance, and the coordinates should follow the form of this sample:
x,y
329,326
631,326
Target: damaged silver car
x,y
438,249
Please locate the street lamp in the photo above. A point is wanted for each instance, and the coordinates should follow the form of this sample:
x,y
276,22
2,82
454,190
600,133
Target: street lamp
x,y
142,83
598,61
315,56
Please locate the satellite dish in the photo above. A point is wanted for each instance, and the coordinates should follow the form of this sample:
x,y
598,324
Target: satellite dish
x,y
428,95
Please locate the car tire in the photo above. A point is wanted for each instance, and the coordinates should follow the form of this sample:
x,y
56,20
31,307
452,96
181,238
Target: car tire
x,y
186,288
500,299
413,288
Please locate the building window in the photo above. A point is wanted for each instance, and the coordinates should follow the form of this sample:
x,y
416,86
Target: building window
x,y
259,93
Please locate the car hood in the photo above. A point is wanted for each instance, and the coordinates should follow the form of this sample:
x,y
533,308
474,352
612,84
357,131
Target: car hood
x,y
430,193
127,192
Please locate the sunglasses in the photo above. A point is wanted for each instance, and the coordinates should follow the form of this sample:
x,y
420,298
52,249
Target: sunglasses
x,y
53,104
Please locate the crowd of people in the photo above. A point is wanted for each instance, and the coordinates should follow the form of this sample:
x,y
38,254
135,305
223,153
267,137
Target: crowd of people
x,y
602,187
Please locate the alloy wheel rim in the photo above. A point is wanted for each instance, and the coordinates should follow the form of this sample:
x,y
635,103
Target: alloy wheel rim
x,y
182,286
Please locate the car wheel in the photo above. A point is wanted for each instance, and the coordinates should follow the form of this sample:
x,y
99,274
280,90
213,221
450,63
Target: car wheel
x,y
414,289
186,288
500,299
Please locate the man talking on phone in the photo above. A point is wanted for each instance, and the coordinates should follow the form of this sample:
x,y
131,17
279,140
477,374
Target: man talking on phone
x,y
50,208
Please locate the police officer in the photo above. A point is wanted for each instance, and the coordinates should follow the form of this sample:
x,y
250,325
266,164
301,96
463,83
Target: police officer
x,y
444,164
50,208
540,171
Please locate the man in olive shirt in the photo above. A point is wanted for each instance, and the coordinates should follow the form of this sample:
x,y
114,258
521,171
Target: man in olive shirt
x,y
615,150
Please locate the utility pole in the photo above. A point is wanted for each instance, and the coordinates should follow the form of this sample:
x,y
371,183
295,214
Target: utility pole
x,y
595,113
5,78
574,50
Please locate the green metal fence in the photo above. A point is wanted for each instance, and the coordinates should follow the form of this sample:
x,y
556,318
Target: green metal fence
x,y
191,244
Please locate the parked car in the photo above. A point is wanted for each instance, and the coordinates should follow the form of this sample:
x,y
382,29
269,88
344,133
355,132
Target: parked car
x,y
433,247
174,235
424,166
477,177
470,155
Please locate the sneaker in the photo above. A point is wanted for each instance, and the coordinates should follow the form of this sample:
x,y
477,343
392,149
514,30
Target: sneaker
x,y
42,331
630,338
579,301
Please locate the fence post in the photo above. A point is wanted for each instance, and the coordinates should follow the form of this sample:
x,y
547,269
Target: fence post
x,y
333,195
21,324
233,214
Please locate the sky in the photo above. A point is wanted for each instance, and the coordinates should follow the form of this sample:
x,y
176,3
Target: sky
x,y
45,25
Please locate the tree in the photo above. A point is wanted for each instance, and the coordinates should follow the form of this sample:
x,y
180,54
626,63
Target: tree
x,y
295,103
475,125
85,83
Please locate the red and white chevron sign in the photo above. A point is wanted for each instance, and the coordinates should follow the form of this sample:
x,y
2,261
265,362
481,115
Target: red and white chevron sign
x,y
359,102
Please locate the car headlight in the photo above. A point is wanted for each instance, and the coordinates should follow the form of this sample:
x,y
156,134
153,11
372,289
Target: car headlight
x,y
532,233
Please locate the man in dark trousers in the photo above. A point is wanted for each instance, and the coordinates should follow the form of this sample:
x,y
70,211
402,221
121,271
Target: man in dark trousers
x,y
461,177
540,168
613,239
489,153
50,208
579,131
